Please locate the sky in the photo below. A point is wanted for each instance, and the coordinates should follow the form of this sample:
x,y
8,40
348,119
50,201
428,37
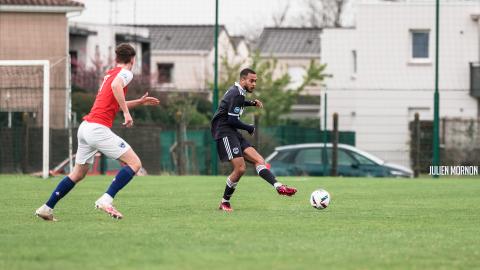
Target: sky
x,y
238,16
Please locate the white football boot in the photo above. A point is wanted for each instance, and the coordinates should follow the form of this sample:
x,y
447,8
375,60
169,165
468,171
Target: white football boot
x,y
44,213
108,208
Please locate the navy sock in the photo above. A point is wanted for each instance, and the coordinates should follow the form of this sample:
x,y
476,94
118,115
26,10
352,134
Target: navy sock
x,y
121,179
266,174
62,189
229,189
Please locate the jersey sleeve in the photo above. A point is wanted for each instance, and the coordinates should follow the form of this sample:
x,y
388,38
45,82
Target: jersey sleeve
x,y
236,105
126,76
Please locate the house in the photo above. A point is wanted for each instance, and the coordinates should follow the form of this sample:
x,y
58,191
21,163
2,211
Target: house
x,y
183,56
241,48
384,71
293,48
90,42
35,30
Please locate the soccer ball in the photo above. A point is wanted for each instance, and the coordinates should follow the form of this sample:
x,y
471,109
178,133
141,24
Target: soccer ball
x,y
320,199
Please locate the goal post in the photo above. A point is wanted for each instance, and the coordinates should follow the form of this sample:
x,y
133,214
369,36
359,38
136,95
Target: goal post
x,y
46,105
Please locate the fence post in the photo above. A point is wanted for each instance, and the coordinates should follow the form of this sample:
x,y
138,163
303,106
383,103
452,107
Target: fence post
x,y
416,128
325,136
179,144
26,141
103,164
335,145
257,136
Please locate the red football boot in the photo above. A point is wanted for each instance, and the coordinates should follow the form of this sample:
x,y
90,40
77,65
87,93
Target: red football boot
x,y
225,206
284,190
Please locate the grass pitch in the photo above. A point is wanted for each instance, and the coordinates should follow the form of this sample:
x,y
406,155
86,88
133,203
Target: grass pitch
x,y
172,222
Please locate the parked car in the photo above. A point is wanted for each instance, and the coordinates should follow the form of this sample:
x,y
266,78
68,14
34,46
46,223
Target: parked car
x,y
112,167
307,159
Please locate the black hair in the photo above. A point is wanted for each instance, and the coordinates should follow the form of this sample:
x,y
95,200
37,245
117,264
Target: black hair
x,y
245,72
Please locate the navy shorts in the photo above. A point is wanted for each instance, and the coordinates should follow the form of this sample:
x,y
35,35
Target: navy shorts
x,y
231,146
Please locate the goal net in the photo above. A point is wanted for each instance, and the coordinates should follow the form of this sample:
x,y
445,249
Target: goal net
x,y
25,117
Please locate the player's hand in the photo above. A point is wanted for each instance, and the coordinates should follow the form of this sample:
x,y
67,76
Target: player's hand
x,y
253,132
128,119
257,103
148,101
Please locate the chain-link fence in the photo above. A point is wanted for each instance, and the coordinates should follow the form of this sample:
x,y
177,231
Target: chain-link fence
x,y
374,60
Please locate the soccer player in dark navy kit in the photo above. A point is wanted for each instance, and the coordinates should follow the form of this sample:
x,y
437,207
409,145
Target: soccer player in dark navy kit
x,y
231,146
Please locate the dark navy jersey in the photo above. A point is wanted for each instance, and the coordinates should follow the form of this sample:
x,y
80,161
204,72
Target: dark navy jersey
x,y
231,104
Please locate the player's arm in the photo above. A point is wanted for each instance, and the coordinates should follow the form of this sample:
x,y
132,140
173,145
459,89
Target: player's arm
x,y
234,112
233,121
117,89
144,101
255,102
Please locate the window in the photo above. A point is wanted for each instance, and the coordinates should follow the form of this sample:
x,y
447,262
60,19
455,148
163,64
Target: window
x,y
165,73
310,156
73,62
362,160
343,158
284,156
420,39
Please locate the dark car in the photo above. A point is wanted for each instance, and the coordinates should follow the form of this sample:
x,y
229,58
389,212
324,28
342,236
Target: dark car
x,y
307,159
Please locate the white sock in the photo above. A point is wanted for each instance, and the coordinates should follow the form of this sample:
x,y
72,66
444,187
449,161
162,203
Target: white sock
x,y
106,198
277,184
224,201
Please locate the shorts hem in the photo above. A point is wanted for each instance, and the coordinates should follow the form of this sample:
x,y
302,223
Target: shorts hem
x,y
123,152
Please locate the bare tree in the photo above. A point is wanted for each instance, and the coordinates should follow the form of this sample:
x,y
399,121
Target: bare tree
x,y
280,16
323,13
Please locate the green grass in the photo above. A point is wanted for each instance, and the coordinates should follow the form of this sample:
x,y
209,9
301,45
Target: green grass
x,y
172,222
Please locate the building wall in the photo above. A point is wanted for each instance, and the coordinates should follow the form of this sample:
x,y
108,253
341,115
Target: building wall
x,y
187,73
283,65
35,36
102,45
242,54
192,68
388,88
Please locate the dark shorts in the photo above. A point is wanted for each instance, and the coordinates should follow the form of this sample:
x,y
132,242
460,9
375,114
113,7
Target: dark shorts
x,y
231,146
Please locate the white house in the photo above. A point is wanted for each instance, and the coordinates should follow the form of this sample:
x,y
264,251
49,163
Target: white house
x,y
293,48
183,56
89,41
384,71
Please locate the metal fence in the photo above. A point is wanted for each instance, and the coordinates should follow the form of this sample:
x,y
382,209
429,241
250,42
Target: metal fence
x,y
375,60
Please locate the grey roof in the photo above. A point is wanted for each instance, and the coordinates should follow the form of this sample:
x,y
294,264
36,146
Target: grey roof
x,y
182,37
67,3
236,40
289,41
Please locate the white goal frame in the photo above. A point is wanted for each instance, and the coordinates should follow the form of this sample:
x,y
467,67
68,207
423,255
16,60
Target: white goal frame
x,y
46,105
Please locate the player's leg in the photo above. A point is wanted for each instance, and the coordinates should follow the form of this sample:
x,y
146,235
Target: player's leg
x,y
115,147
123,177
253,157
228,149
232,181
84,160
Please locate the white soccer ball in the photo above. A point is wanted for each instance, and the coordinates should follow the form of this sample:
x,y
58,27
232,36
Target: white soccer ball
x,y
320,199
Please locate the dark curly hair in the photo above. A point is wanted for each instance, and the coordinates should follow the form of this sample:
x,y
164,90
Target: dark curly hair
x,y
124,53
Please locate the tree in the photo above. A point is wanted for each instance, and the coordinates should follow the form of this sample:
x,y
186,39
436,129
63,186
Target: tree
x,y
280,16
273,92
323,13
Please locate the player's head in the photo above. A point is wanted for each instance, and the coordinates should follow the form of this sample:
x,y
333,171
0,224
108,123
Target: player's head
x,y
125,54
248,79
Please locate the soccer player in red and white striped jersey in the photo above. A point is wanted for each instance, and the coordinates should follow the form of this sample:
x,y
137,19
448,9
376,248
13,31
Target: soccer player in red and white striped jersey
x,y
94,135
